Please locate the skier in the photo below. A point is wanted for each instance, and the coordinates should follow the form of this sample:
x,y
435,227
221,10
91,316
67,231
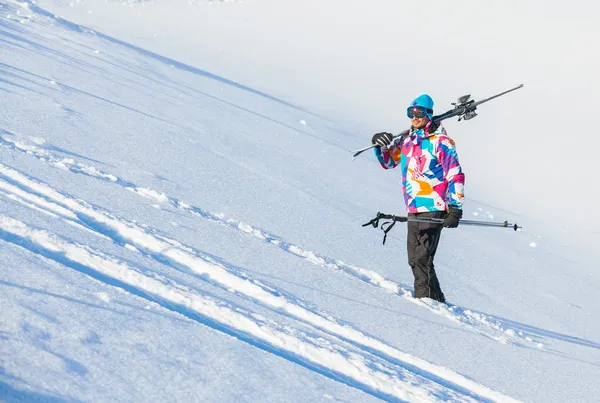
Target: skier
x,y
432,183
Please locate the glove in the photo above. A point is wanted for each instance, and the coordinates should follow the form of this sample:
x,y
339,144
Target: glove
x,y
382,139
452,217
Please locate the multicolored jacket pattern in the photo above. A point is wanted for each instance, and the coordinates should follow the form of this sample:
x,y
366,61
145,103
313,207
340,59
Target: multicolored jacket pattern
x,y
432,179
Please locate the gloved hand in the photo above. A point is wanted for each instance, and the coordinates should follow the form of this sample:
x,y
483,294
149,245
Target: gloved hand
x,y
452,217
382,139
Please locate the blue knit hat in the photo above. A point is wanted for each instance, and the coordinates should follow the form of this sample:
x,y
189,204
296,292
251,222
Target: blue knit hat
x,y
425,101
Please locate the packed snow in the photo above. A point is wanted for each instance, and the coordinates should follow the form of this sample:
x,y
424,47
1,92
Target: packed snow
x,y
181,218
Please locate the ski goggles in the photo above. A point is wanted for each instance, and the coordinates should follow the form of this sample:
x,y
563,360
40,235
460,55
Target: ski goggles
x,y
417,112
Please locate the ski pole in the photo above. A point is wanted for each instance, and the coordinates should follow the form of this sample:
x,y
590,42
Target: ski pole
x,y
504,224
464,108
387,226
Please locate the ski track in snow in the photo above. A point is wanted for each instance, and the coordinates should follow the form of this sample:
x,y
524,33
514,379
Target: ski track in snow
x,y
474,321
378,368
374,376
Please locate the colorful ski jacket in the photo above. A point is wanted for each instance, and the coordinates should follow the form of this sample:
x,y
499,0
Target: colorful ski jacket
x,y
432,179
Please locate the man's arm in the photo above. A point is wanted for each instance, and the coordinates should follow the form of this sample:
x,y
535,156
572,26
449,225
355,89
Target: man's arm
x,y
453,173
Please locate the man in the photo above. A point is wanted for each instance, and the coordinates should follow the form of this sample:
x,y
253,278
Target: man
x,y
432,182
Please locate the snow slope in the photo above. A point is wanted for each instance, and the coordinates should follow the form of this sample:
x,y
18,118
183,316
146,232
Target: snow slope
x,y
525,153
170,234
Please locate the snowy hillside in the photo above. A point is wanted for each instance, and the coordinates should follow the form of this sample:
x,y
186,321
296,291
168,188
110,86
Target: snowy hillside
x,y
180,221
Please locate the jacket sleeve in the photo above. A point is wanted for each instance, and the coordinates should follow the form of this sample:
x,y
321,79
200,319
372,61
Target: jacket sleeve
x,y
453,173
389,157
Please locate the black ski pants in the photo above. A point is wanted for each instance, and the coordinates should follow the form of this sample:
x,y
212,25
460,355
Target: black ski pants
x,y
423,239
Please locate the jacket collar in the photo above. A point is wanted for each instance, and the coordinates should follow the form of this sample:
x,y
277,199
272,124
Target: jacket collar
x,y
426,131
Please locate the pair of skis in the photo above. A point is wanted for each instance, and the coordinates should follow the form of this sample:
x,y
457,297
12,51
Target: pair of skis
x,y
465,108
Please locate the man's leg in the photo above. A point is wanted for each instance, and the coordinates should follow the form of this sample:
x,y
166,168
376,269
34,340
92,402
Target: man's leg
x,y
422,243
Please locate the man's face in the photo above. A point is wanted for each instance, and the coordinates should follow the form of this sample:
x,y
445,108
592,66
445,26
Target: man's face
x,y
419,123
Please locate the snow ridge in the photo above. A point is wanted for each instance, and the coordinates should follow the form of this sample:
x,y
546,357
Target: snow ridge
x,y
375,377
477,322
175,254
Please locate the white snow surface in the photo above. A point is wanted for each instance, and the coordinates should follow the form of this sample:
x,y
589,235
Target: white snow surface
x,y
181,218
